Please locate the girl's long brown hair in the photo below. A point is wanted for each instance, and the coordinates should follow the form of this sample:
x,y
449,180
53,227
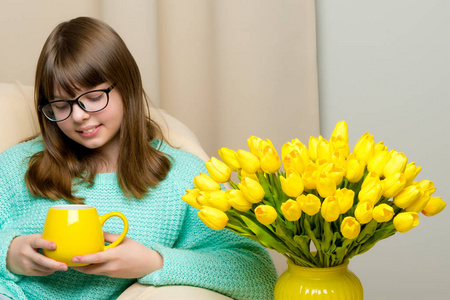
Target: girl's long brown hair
x,y
87,52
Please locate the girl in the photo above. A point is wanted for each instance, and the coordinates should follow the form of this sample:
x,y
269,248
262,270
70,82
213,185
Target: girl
x,y
99,147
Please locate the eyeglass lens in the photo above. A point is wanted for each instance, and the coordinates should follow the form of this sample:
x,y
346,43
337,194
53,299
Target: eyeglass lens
x,y
90,102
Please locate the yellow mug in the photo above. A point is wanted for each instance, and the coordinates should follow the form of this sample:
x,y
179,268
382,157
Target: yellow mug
x,y
77,230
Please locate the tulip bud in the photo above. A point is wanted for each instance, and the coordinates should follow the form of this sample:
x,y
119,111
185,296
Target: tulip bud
x,y
379,147
326,186
270,161
203,198
293,160
383,213
411,171
248,161
371,179
426,186
291,210
205,183
219,200
238,201
350,228
335,172
393,184
345,198
312,147
341,130
310,176
405,221
435,205
338,158
292,185
338,143
418,205
191,198
213,217
323,150
363,211
396,164
265,214
407,196
218,170
310,204
253,176
355,169
229,157
378,161
364,148
330,209
371,191
253,143
251,189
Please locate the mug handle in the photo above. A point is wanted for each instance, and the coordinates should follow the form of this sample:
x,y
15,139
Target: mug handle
x,y
105,217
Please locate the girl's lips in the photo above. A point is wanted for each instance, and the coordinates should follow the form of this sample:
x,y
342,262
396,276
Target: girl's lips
x,y
89,132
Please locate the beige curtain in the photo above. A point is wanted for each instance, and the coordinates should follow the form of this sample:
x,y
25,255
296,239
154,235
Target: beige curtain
x,y
228,69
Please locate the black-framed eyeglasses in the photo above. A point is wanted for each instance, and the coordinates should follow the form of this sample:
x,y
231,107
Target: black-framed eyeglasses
x,y
92,101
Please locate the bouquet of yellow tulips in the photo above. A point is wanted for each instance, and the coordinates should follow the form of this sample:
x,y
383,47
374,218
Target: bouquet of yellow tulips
x,y
325,207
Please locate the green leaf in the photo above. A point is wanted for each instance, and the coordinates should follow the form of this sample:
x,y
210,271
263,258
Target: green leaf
x,y
367,232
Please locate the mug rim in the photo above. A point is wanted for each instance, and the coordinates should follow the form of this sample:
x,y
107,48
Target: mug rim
x,y
72,206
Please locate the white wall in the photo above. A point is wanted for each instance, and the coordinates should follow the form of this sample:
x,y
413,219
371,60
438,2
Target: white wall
x,y
384,67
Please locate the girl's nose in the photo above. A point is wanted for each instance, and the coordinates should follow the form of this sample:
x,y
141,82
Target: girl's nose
x,y
78,114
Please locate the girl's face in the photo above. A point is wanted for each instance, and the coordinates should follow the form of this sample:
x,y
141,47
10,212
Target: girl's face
x,y
97,130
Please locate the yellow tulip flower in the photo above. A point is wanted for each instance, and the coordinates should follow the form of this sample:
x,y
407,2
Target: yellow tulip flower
x,y
372,191
323,150
253,143
238,201
393,184
294,160
203,198
229,157
435,205
407,196
396,164
379,147
291,210
426,186
338,158
293,145
330,209
205,183
405,221
325,185
335,172
213,218
253,176
191,198
310,176
338,143
292,185
265,214
251,189
411,171
364,148
312,146
341,130
378,161
270,161
355,168
218,170
364,211
248,161
418,205
310,204
383,213
345,198
219,200
350,228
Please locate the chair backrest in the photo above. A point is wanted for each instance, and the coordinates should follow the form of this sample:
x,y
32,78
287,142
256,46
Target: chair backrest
x,y
18,121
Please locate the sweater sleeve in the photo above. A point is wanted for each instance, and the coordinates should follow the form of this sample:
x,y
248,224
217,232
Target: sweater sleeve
x,y
218,260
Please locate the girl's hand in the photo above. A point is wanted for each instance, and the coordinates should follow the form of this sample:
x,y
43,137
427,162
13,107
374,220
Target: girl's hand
x,y
23,257
129,259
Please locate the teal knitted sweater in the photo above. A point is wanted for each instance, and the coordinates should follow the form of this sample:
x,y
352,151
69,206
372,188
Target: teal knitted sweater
x,y
193,254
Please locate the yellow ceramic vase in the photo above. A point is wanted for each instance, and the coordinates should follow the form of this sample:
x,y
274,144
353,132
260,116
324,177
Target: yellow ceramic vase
x,y
335,283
